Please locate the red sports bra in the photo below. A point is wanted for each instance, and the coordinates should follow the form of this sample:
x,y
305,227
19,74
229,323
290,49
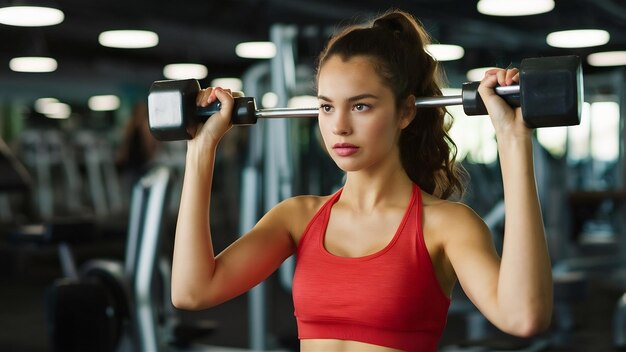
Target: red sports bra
x,y
390,298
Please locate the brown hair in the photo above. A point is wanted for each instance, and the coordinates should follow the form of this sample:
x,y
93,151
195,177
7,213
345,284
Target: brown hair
x,y
395,42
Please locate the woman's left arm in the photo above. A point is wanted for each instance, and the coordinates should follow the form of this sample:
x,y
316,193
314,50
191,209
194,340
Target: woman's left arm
x,y
517,289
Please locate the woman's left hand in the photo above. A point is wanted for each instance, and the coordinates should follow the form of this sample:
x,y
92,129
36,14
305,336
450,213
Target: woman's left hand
x,y
506,119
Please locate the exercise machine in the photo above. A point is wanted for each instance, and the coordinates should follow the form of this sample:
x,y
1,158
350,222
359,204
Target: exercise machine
x,y
109,305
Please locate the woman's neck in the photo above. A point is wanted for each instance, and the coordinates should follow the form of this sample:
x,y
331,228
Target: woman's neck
x,y
367,191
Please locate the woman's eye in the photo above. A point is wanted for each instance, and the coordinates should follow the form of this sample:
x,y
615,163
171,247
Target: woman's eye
x,y
360,107
325,108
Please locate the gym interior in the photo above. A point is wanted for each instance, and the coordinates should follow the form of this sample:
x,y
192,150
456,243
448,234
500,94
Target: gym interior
x,y
89,198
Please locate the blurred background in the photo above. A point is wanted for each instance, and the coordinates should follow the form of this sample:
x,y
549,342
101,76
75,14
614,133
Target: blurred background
x,y
74,81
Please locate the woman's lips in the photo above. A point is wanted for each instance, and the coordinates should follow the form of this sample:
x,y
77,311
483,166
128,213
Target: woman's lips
x,y
345,149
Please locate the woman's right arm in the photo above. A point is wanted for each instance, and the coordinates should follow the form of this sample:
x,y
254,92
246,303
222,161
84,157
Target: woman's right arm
x,y
199,279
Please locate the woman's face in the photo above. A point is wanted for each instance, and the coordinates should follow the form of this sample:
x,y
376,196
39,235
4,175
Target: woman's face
x,y
358,118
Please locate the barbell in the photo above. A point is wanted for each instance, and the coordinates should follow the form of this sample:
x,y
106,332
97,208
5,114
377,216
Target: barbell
x,y
550,94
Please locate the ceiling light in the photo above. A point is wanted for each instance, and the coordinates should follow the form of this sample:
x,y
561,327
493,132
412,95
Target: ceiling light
x,y
42,104
256,50
59,111
269,100
578,38
514,7
33,64
232,83
607,58
445,52
52,108
128,39
477,74
30,16
103,103
185,71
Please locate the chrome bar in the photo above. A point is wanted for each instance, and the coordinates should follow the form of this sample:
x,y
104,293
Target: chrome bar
x,y
286,112
424,102
507,90
439,101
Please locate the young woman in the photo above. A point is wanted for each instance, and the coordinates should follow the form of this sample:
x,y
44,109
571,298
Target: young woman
x,y
377,261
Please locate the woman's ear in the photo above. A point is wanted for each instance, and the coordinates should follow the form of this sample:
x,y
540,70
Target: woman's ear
x,y
407,111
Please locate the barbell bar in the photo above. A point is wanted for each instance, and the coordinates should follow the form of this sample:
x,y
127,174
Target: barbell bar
x,y
550,94
424,102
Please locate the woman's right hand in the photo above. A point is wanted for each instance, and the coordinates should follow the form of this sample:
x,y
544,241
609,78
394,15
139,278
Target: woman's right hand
x,y
207,135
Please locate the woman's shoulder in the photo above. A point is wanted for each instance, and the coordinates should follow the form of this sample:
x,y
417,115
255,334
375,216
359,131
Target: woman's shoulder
x,y
303,203
449,217
298,211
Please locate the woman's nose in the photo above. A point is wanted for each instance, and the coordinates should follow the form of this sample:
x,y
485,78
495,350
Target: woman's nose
x,y
342,125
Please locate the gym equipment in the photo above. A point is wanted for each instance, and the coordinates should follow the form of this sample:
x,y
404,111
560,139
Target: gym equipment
x,y
14,176
550,94
102,180
108,305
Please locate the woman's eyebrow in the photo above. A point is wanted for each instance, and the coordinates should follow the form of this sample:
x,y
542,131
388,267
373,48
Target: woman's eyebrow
x,y
351,99
362,96
321,97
